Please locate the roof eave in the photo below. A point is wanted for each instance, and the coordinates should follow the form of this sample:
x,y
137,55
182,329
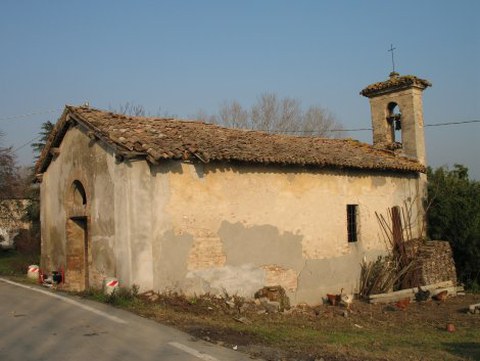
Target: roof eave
x,y
56,136
53,139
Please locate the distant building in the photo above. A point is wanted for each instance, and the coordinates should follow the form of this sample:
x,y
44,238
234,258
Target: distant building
x,y
184,206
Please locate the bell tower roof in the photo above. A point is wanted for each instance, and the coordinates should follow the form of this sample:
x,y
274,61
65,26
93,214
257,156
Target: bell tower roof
x,y
394,84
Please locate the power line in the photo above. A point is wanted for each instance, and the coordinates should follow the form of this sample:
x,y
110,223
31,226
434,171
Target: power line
x,y
311,131
27,143
26,115
452,123
369,129
366,129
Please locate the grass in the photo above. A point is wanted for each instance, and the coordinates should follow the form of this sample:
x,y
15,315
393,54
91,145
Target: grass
x,y
420,343
425,344
339,338
13,263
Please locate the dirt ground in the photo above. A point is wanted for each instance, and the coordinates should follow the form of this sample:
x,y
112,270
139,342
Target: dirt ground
x,y
325,332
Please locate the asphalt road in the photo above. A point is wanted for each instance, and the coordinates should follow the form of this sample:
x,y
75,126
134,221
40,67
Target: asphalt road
x,y
40,325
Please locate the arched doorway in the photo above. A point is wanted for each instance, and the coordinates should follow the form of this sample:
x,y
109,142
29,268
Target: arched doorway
x,y
77,249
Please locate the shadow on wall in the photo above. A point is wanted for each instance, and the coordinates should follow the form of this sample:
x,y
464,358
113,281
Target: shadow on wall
x,y
252,168
202,169
167,167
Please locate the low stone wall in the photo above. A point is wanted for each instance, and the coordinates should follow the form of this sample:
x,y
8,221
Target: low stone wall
x,y
436,264
12,224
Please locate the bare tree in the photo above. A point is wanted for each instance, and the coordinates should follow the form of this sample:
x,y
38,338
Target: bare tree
x,y
319,121
231,114
205,117
138,110
277,115
133,109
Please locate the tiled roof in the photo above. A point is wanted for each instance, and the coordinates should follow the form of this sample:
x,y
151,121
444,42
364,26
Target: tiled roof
x,y
157,139
395,82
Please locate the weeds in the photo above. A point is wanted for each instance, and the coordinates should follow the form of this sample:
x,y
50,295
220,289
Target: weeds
x,y
120,297
13,263
474,287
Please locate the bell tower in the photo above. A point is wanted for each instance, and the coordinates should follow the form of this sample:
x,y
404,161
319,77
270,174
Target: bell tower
x,y
397,115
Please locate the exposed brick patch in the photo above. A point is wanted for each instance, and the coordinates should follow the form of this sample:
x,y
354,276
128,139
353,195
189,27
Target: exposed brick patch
x,y
206,252
75,270
278,275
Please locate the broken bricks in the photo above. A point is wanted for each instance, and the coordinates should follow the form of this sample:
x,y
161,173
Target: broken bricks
x,y
273,297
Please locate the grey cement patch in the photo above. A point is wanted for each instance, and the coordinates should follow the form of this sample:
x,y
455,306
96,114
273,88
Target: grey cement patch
x,y
260,245
243,281
170,254
322,276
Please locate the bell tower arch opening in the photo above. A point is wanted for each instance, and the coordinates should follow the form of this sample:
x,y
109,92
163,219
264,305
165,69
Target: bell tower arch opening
x,y
394,120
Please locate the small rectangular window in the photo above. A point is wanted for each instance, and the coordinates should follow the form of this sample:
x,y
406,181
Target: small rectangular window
x,y
352,222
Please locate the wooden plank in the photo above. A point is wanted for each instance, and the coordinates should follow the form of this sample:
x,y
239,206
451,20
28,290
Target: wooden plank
x,y
452,291
414,290
410,292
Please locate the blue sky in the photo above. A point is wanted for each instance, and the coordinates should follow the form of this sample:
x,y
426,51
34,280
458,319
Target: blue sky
x,y
183,56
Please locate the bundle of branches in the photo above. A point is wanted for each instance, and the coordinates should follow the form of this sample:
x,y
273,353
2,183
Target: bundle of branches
x,y
397,270
382,275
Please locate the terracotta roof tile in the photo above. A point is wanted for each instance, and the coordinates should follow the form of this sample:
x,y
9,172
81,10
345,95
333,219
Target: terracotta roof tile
x,y
166,138
394,83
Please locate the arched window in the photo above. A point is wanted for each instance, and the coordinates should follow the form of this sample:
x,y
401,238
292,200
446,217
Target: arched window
x,y
79,195
394,120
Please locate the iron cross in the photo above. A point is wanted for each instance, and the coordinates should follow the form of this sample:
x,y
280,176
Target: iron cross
x,y
393,61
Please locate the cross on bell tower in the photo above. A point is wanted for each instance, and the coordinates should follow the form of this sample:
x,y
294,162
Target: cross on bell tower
x,y
393,59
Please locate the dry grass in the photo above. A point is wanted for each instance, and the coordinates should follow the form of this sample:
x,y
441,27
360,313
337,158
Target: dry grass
x,y
369,332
